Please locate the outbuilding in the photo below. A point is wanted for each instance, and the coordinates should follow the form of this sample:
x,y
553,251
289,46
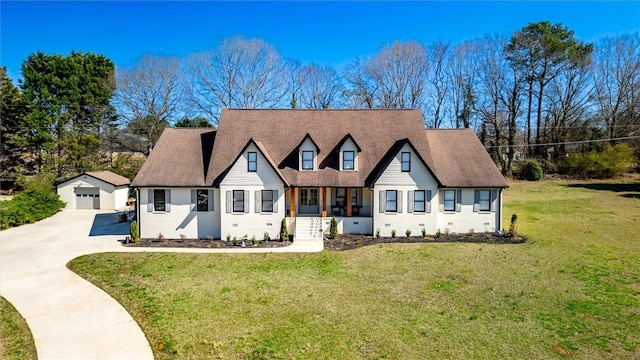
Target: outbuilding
x,y
95,190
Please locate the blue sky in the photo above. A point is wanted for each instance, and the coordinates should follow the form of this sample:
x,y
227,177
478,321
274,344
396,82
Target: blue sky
x,y
331,33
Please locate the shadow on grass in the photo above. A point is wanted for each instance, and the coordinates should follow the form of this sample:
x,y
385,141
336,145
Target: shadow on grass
x,y
632,190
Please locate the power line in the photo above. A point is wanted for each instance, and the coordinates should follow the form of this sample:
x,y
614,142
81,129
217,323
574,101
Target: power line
x,y
565,143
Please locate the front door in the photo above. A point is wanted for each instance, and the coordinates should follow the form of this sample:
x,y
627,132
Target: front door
x,y
308,201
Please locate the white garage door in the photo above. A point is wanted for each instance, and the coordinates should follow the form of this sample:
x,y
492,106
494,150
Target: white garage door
x,y
87,198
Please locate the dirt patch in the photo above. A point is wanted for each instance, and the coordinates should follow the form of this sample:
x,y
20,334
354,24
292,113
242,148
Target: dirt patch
x,y
207,244
348,242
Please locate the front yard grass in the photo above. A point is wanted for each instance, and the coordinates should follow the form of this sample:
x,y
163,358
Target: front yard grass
x,y
573,290
16,342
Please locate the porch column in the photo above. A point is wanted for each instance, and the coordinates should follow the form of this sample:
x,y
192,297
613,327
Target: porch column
x,y
348,202
292,202
324,202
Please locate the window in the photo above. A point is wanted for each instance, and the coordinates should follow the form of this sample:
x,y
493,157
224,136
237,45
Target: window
x,y
484,200
449,200
354,197
252,162
202,200
159,200
313,197
419,201
238,200
341,197
405,158
392,204
307,160
267,201
348,160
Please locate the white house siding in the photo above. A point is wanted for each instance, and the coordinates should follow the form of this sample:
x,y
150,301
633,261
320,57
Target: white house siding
x,y
250,222
466,219
66,190
182,219
350,225
418,178
120,197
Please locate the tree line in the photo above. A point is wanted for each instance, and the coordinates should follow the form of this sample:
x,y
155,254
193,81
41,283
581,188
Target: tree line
x,y
538,92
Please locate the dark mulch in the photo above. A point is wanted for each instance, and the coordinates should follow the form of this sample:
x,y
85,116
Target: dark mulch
x,y
207,244
348,242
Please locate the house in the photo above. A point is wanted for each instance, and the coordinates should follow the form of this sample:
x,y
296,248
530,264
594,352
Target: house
x,y
95,190
371,169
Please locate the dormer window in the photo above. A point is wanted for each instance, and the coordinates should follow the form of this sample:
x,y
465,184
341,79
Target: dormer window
x,y
348,160
406,161
307,160
252,162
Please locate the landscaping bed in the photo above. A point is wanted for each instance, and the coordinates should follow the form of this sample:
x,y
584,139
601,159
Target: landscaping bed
x,y
348,242
207,244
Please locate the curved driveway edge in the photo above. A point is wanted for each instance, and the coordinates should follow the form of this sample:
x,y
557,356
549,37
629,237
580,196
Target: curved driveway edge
x,y
69,317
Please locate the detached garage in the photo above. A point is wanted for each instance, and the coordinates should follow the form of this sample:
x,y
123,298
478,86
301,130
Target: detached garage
x,y
95,190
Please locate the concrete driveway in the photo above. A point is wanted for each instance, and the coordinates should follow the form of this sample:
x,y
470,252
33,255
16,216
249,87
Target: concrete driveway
x,y
69,317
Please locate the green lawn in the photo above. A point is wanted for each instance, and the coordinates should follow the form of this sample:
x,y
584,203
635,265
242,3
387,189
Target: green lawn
x,y
16,342
572,290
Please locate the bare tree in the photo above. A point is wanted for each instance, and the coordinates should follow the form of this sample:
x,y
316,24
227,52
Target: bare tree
x,y
363,89
148,95
491,84
394,78
568,103
462,69
438,55
240,73
617,84
321,87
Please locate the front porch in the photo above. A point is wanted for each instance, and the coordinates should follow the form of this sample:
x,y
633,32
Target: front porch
x,y
328,202
352,208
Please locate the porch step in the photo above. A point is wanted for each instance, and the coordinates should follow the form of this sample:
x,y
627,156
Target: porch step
x,y
308,228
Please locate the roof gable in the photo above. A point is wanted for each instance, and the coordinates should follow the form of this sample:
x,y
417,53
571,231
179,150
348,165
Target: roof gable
x,y
390,155
264,154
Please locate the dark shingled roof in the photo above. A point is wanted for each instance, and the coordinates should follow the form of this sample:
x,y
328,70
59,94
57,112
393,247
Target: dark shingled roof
x,y
191,157
458,159
281,132
180,158
110,177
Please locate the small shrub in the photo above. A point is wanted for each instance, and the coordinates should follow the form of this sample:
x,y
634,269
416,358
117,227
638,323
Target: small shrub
x,y
265,236
234,241
183,237
253,239
377,233
393,233
472,231
333,229
210,238
228,237
408,232
133,231
438,233
284,232
530,170
160,236
513,229
424,232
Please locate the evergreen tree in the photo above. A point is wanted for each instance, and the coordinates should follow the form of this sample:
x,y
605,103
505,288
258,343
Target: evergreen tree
x,y
69,98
